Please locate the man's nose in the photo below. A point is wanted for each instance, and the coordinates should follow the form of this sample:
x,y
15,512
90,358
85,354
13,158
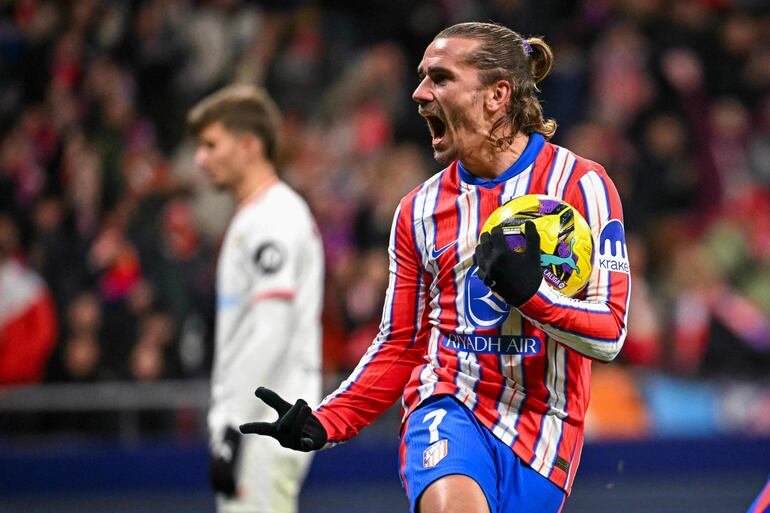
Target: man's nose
x,y
200,157
422,94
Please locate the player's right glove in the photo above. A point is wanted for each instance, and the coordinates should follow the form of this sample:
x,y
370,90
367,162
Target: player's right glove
x,y
513,276
296,428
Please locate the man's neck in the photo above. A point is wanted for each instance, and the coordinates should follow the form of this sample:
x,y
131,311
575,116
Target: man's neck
x,y
493,161
254,183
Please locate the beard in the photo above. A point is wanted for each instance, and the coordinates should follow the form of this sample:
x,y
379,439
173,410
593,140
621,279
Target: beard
x,y
451,147
445,156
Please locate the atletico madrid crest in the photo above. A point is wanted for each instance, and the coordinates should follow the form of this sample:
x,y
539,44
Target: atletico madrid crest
x,y
434,454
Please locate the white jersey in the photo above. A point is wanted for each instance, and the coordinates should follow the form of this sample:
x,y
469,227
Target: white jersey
x,y
269,296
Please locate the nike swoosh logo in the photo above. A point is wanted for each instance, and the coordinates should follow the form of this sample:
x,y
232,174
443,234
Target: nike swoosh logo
x,y
437,252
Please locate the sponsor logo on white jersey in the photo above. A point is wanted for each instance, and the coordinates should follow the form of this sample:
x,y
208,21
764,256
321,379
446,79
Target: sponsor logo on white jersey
x,y
269,257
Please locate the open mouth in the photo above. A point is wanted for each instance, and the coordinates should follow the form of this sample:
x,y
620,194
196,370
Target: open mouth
x,y
437,128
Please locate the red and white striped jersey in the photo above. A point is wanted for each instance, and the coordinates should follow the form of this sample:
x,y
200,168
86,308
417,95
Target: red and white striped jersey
x,y
523,372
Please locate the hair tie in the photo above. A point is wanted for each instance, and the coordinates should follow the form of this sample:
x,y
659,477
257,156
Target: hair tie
x,y
527,46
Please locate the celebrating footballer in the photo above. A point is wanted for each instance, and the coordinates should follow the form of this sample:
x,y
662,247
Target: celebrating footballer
x,y
495,425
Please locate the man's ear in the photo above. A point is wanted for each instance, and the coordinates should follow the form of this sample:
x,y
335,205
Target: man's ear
x,y
253,145
498,96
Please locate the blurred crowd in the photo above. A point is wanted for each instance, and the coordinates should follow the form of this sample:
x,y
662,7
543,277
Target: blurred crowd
x,y
109,234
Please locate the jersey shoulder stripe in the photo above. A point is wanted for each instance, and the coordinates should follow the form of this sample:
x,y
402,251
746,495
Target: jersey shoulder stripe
x,y
563,166
423,201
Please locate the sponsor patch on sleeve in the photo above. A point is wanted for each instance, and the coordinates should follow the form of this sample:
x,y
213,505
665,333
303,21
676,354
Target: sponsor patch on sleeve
x,y
269,257
613,253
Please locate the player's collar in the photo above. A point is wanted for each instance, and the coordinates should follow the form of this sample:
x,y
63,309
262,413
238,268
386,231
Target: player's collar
x,y
257,192
526,159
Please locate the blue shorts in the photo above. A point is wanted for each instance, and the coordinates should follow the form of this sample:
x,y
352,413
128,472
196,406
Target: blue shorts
x,y
444,438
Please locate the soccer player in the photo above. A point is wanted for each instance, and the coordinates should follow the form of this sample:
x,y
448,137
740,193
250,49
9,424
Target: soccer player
x,y
494,387
269,288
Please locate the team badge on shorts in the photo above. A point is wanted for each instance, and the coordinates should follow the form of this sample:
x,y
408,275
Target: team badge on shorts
x,y
434,454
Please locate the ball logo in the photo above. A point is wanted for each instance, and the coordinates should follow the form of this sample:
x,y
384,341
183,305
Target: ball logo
x,y
484,309
612,248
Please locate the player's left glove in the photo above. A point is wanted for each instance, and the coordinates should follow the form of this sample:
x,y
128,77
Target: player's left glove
x,y
296,427
222,459
515,277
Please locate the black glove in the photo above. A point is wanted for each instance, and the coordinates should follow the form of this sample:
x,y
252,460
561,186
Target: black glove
x,y
514,276
222,459
296,427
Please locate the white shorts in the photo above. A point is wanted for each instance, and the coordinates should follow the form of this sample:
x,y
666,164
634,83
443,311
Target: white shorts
x,y
269,478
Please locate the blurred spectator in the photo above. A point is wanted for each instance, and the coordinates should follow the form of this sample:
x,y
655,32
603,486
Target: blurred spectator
x,y
81,174
158,54
683,72
179,264
28,325
759,145
395,172
717,330
20,168
362,302
620,78
666,180
148,360
729,128
115,262
80,349
57,251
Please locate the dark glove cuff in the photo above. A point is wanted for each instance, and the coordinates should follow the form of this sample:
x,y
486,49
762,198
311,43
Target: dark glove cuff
x,y
314,430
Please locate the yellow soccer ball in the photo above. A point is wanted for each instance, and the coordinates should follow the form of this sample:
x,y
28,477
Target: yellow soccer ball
x,y
566,243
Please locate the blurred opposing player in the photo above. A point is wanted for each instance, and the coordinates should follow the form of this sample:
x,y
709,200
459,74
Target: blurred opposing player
x,y
492,364
269,289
